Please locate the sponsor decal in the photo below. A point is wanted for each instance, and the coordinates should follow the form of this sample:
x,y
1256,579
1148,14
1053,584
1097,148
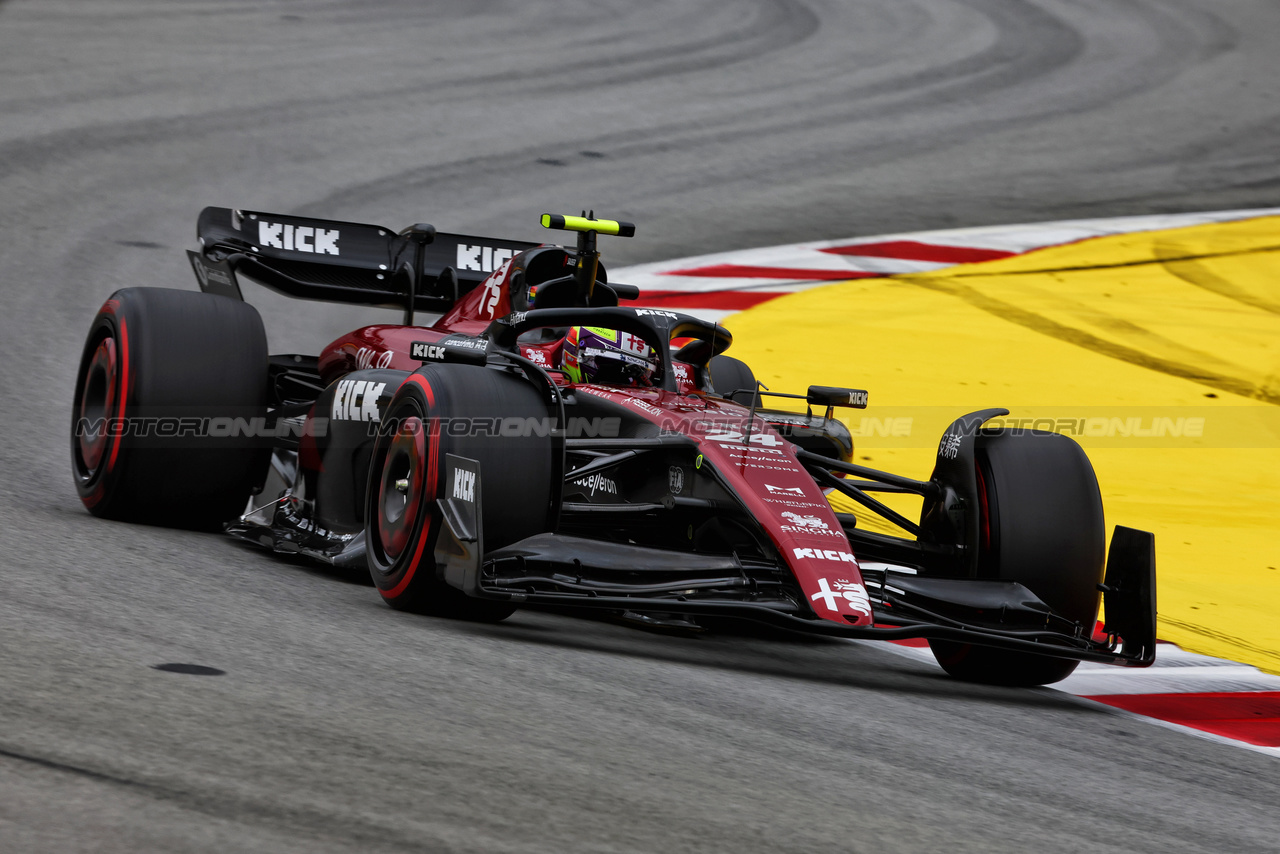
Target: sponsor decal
x,y
481,258
809,531
493,292
808,524
858,399
825,554
766,459
683,374
630,359
464,485
368,358
949,447
597,482
850,591
466,342
209,274
734,436
784,490
655,312
425,352
799,521
299,238
596,392
633,344
644,406
536,356
675,479
754,451
796,505
356,400
215,276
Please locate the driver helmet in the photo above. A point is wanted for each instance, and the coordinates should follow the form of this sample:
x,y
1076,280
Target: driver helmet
x,y
592,354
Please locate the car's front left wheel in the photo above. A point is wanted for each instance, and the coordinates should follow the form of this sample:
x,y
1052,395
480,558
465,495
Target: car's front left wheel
x,y
493,417
1041,526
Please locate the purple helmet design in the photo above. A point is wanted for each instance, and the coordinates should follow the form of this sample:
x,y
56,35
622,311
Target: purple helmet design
x,y
592,354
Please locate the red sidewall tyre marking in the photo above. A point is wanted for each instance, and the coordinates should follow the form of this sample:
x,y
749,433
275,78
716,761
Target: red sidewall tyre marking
x,y
433,454
417,380
113,349
124,389
409,444
97,403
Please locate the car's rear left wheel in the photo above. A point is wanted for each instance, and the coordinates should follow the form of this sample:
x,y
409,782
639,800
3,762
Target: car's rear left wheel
x,y
170,389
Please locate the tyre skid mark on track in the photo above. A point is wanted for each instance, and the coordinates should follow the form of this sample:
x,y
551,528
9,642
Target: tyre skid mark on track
x,y
1081,338
1193,272
71,769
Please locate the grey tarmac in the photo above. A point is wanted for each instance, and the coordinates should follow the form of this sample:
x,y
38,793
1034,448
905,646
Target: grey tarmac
x,y
339,725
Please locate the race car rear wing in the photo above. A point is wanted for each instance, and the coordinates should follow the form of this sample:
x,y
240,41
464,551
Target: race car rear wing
x,y
416,269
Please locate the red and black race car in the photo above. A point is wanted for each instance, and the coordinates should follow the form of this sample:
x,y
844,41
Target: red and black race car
x,y
543,444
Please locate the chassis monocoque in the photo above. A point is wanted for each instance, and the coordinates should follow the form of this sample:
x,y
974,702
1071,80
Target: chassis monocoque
x,y
472,477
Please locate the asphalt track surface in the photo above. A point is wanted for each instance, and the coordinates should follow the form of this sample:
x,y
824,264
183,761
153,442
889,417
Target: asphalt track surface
x,y
340,725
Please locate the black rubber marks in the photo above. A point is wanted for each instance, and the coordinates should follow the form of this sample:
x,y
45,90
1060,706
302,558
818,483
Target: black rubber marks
x,y
192,669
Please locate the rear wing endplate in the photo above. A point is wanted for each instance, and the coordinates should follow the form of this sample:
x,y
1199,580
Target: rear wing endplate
x,y
415,269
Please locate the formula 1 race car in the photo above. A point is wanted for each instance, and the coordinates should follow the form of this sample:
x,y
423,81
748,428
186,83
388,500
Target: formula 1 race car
x,y
541,444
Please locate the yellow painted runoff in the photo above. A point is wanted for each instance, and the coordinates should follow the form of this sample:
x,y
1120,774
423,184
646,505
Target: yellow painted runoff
x,y
1158,351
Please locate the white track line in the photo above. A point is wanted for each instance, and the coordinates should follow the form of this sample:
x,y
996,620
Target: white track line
x,y
1015,239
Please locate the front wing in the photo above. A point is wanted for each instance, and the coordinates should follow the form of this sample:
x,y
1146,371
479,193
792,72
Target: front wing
x,y
565,571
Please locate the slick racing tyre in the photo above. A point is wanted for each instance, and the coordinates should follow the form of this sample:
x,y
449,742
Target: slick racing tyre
x,y
728,375
462,410
1042,526
165,379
